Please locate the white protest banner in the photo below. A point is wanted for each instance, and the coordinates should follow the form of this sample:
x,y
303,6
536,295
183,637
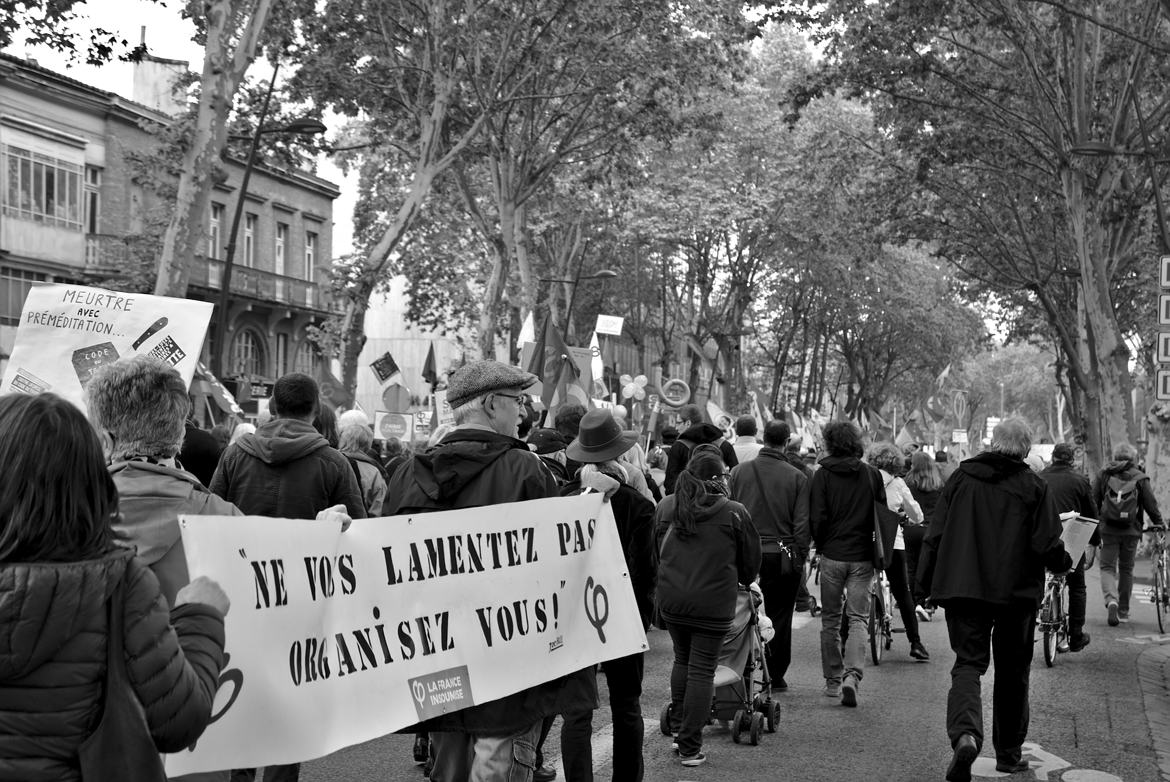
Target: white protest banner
x,y
1076,533
338,638
68,331
446,416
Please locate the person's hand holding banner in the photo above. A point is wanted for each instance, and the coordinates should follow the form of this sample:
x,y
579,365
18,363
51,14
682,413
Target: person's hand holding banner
x,y
337,514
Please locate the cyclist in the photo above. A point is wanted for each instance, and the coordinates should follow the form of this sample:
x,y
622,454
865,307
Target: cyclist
x,y
888,459
1070,491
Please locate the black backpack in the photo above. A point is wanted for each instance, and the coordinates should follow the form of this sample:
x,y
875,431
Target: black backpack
x,y
1119,508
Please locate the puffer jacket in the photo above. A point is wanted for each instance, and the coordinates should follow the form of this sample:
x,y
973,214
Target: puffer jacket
x,y
53,637
151,498
286,470
468,468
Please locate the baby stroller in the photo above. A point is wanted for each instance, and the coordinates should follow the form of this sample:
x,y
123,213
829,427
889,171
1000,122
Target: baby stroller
x,y
743,688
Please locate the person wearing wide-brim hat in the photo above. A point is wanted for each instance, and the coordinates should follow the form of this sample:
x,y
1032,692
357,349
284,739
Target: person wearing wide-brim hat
x,y
600,443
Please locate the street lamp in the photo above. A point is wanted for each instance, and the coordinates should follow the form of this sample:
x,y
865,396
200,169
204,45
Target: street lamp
x,y
600,274
301,125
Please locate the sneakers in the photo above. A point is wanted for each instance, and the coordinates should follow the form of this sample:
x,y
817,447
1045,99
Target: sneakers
x,y
690,761
849,692
674,743
1123,617
1079,642
1008,767
1113,619
543,774
921,612
962,759
918,651
1062,646
832,689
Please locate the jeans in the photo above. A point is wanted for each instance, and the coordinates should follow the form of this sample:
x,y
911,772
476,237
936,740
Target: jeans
x,y
290,773
623,678
465,757
1077,599
1117,555
844,590
900,589
692,683
977,630
780,577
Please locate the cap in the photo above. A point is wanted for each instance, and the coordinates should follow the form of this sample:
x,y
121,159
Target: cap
x,y
482,377
546,440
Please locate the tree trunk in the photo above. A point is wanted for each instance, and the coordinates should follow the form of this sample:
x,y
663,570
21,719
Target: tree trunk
x,y
223,71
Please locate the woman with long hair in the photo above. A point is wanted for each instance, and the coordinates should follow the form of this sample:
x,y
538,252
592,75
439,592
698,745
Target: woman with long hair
x,y
925,481
64,583
889,460
707,546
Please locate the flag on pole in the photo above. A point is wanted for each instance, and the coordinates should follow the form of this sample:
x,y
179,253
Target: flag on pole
x,y
912,431
429,371
595,362
333,389
942,377
386,370
554,366
527,330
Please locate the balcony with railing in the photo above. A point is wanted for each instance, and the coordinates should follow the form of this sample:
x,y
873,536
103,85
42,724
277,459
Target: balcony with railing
x,y
258,284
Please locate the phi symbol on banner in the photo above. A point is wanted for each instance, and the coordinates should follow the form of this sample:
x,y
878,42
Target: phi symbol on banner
x,y
420,692
596,607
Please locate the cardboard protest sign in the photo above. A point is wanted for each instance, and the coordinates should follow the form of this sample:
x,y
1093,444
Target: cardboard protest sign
x,y
338,638
67,331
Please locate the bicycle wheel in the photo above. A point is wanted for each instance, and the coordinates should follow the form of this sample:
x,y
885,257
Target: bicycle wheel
x,y
876,644
1160,597
1050,641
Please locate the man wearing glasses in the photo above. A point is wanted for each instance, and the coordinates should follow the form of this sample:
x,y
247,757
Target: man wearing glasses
x,y
481,462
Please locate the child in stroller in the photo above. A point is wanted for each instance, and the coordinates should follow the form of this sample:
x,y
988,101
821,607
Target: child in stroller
x,y
743,688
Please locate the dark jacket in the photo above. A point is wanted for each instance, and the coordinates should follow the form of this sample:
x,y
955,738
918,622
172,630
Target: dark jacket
x,y
680,452
1070,490
53,636
470,468
994,532
840,508
286,470
634,515
796,460
150,500
698,574
927,500
776,496
1127,471
200,453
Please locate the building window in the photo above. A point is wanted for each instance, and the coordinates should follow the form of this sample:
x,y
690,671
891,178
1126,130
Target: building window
x,y
93,184
14,287
281,243
282,355
247,354
249,240
306,360
215,232
310,254
42,188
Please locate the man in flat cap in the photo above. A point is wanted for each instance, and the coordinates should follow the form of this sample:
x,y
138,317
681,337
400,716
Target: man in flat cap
x,y
481,462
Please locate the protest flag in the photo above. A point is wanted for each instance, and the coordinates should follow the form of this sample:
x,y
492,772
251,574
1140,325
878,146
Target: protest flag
x,y
935,407
912,431
333,389
386,370
554,367
942,377
429,371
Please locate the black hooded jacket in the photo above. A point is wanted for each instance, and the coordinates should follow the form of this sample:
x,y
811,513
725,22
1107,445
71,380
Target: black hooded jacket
x,y
286,470
994,532
840,508
680,451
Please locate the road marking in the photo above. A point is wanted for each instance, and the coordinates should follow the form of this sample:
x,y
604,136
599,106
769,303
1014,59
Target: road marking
x,y
1153,638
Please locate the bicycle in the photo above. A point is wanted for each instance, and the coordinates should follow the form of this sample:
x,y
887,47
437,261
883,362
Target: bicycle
x,y
881,617
1053,621
1158,593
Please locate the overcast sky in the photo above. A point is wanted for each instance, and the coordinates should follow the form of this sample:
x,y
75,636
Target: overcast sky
x,y
169,35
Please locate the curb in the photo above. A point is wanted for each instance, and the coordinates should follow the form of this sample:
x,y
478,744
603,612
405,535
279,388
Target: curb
x,y
1154,678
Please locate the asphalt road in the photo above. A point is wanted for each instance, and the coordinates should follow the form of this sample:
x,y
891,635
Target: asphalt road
x,y
1089,717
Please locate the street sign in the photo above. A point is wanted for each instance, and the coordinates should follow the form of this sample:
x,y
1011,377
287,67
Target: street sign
x,y
1164,265
609,324
991,424
958,435
1164,309
1162,385
400,425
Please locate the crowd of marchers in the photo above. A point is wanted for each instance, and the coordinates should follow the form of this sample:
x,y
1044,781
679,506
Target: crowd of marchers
x,y
720,531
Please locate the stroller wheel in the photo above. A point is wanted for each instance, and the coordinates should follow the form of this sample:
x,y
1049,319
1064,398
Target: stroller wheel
x,y
664,720
757,728
772,715
737,725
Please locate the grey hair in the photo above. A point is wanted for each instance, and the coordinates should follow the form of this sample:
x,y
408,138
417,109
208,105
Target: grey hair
x,y
611,468
440,432
142,403
354,438
886,456
1125,451
468,410
1012,437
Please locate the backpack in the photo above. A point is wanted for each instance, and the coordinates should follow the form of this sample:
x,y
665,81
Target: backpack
x,y
1120,506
